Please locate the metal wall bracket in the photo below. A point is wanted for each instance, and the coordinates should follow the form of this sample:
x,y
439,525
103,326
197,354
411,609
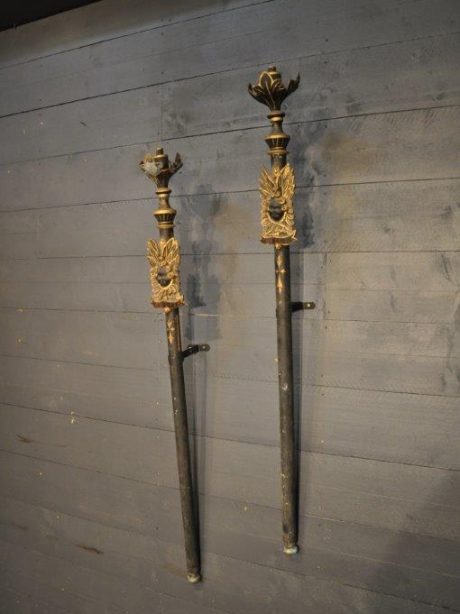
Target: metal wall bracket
x,y
299,306
194,349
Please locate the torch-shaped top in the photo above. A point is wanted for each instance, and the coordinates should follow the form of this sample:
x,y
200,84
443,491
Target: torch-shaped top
x,y
158,169
164,255
270,90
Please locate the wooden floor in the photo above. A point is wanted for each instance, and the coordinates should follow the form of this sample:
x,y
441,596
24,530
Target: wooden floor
x,y
89,512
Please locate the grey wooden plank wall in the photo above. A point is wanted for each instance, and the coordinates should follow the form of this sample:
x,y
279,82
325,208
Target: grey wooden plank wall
x,y
90,518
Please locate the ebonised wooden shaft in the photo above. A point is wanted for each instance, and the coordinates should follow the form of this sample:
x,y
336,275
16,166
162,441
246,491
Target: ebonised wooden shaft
x,y
184,464
289,470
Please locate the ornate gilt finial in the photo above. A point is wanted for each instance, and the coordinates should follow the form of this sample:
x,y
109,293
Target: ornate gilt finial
x,y
276,185
164,255
158,169
270,90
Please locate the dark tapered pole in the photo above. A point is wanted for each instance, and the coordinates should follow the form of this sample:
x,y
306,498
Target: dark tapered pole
x,y
278,228
164,259
189,517
286,399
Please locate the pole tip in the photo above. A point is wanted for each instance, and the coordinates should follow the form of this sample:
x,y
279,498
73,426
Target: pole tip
x,y
194,578
291,549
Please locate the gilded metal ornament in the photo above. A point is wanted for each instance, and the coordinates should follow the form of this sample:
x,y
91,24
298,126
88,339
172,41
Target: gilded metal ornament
x,y
277,215
270,90
164,260
155,169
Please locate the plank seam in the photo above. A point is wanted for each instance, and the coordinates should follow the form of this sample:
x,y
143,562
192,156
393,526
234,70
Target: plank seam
x,y
232,192
229,439
232,131
134,33
208,495
228,316
239,378
218,554
161,84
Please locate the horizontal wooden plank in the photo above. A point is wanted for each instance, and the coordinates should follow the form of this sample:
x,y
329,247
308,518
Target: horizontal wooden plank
x,y
131,552
112,339
18,234
419,358
346,83
394,271
398,306
416,287
387,147
63,335
121,553
92,124
13,601
430,272
237,300
293,591
407,216
411,429
350,489
16,222
84,270
27,595
357,81
96,23
414,374
207,45
72,586
19,245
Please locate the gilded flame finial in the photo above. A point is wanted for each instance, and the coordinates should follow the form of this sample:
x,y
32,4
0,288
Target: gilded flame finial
x,y
270,90
158,168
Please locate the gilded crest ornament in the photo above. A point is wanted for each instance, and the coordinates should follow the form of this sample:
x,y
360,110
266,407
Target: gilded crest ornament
x,y
164,260
277,215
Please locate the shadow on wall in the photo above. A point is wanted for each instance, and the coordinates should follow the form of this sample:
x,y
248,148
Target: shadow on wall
x,y
201,287
304,359
433,578
411,564
199,217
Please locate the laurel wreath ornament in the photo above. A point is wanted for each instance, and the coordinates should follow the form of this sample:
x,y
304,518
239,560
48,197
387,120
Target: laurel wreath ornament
x,y
277,212
164,260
